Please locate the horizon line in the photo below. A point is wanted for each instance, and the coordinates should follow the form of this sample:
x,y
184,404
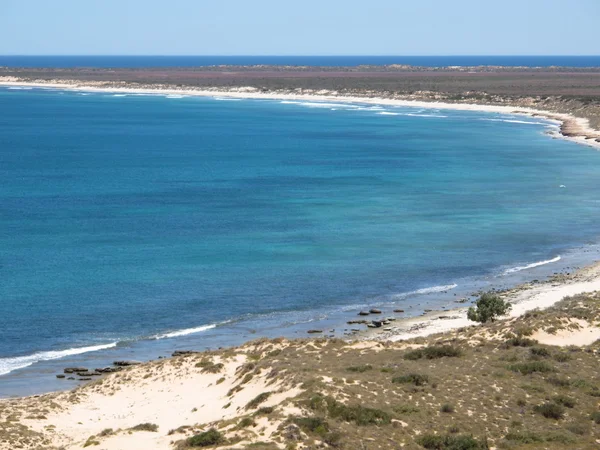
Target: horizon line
x,y
294,55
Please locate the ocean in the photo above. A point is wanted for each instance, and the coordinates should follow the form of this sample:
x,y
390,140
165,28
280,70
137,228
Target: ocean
x,y
334,61
133,225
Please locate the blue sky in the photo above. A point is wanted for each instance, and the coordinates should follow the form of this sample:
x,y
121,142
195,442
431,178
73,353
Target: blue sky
x,y
307,27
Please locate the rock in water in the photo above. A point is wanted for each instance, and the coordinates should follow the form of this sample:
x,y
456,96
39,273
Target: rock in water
x,y
126,363
75,369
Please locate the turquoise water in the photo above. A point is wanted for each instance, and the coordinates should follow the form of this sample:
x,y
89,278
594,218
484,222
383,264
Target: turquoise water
x,y
128,219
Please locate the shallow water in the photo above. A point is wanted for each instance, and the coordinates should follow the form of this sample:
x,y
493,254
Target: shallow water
x,y
154,222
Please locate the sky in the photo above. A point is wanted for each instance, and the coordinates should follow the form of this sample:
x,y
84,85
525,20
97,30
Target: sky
x,y
307,27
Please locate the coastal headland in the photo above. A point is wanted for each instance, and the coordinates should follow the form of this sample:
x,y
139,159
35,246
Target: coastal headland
x,y
437,381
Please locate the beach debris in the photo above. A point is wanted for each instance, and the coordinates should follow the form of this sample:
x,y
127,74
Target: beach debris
x,y
375,311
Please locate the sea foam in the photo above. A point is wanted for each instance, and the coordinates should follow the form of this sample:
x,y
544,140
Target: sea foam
x,y
532,265
8,365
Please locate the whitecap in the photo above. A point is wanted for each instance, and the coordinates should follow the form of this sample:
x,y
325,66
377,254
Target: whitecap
x,y
532,265
525,122
186,331
429,290
387,113
425,115
227,99
320,104
8,365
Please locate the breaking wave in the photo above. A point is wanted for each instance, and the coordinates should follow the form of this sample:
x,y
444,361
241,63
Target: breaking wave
x,y
532,265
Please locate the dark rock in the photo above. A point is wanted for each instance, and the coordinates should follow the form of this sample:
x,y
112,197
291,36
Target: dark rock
x,y
375,311
398,310
75,369
108,369
60,376
363,313
85,379
357,322
88,374
314,331
126,363
71,378
377,323
184,352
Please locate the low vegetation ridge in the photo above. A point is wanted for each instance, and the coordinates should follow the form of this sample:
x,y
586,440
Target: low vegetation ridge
x,y
508,383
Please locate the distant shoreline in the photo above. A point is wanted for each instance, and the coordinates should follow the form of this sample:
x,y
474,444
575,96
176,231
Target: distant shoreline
x,y
576,129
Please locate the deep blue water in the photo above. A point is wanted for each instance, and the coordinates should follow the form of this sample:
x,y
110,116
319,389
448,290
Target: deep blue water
x,y
192,61
124,218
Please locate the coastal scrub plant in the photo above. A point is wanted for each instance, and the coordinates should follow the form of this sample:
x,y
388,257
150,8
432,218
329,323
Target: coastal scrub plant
x,y
488,307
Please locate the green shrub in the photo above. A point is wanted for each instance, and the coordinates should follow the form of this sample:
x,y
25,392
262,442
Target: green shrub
x,y
559,381
360,369
145,427
520,341
579,428
414,378
206,439
447,408
565,400
405,409
316,425
433,352
260,398
550,410
562,357
487,308
524,437
246,422
450,442
530,367
264,410
358,414
595,416
539,352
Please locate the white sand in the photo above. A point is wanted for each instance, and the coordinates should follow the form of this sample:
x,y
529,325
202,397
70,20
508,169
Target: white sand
x,y
168,393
